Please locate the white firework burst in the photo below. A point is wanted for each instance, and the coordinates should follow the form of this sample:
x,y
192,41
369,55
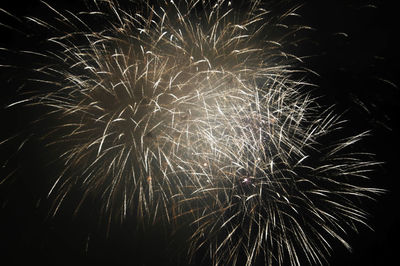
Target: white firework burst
x,y
192,111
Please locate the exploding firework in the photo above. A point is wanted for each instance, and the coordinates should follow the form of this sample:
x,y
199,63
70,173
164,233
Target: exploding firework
x,y
193,111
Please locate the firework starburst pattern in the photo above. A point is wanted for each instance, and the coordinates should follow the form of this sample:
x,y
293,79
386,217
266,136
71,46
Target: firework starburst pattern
x,y
191,112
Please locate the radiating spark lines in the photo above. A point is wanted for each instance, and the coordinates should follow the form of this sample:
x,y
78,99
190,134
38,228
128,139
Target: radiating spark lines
x,y
192,110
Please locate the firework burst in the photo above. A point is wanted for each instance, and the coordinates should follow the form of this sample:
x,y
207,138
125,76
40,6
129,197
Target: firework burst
x,y
192,111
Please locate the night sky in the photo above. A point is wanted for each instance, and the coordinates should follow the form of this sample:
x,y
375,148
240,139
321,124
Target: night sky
x,y
359,73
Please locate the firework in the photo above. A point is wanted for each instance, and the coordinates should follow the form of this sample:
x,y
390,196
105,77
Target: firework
x,y
192,111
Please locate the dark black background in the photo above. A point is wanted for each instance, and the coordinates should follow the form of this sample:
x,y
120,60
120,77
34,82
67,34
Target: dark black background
x,y
360,68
